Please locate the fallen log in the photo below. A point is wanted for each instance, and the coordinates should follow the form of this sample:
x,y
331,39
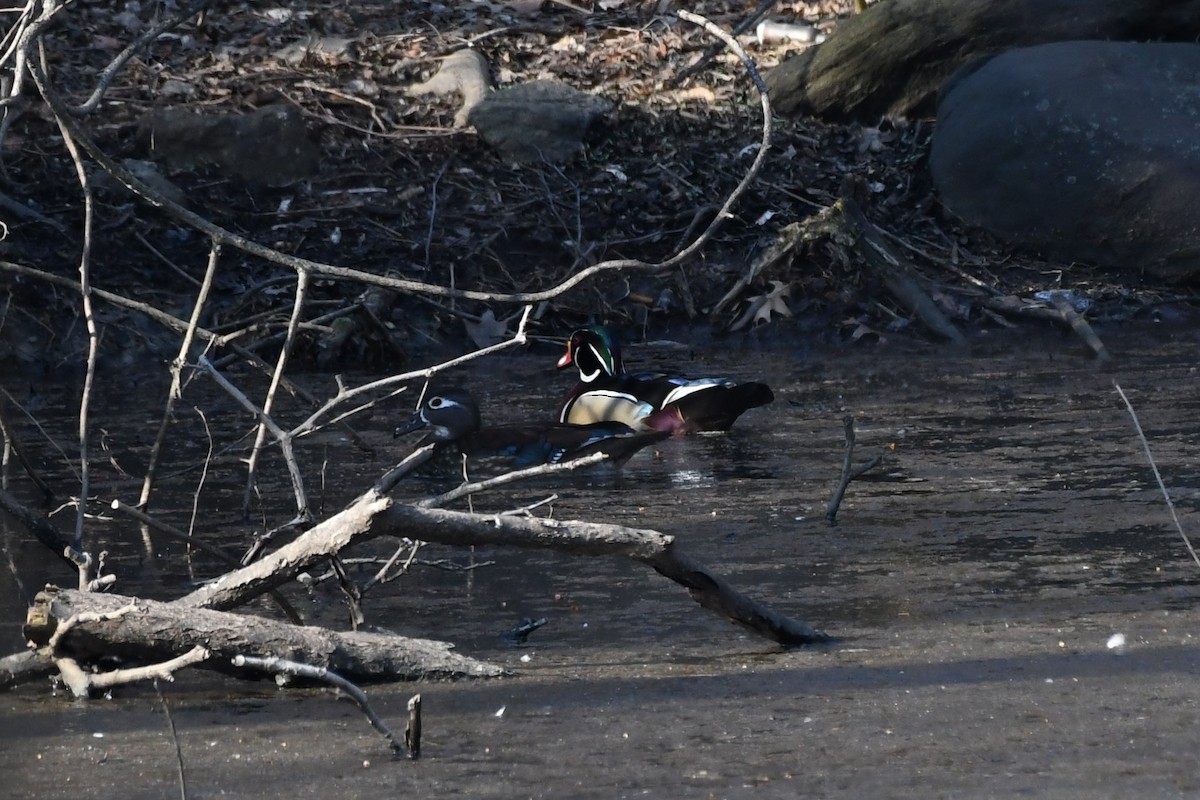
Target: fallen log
x,y
158,631
892,59
649,547
373,515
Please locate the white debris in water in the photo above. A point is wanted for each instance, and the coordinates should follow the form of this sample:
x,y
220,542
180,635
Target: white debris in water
x,y
500,711
97,735
525,659
1116,641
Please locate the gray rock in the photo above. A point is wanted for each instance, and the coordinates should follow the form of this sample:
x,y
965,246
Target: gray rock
x,y
538,120
1085,151
271,146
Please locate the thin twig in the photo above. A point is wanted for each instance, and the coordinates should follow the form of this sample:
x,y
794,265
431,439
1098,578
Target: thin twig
x,y
298,300
37,523
433,209
174,738
469,488
709,54
174,393
310,425
849,473
208,455
85,291
13,446
1157,476
149,35
405,545
393,476
284,440
25,212
158,315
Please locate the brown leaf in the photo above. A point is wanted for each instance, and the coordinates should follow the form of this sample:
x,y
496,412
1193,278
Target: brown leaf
x,y
765,306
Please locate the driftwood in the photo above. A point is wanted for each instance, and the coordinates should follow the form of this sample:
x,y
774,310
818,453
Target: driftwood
x,y
25,666
650,547
374,515
69,626
845,224
895,272
279,666
892,59
157,631
1062,313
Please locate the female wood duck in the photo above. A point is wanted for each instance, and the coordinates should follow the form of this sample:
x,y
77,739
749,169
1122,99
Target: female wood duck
x,y
453,416
607,392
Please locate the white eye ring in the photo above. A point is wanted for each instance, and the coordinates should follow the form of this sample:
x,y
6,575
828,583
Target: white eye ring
x,y
436,402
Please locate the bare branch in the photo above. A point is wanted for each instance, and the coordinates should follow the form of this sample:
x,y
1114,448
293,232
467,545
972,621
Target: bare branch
x,y
148,36
173,393
277,375
85,291
276,665
310,425
371,516
1162,487
191,541
281,436
476,487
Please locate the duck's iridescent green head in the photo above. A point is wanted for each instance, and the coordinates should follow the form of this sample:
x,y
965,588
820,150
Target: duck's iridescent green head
x,y
595,352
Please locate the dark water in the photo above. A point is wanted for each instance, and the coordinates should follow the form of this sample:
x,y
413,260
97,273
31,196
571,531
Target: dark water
x,y
975,579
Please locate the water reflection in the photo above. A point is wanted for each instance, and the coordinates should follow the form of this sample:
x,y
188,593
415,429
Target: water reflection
x,y
988,503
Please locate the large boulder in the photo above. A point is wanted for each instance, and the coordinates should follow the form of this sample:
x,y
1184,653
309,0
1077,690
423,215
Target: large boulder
x,y
1084,151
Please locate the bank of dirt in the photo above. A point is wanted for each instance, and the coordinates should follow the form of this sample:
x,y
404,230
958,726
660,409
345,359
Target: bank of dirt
x,y
397,190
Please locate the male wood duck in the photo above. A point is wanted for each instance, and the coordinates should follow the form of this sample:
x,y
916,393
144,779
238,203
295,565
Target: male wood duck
x,y
607,392
453,416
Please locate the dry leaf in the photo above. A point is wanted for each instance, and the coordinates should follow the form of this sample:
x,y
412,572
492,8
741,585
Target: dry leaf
x,y
701,93
488,331
864,330
765,306
568,44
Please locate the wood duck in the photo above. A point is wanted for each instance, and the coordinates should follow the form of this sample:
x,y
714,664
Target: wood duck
x,y
453,416
607,392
